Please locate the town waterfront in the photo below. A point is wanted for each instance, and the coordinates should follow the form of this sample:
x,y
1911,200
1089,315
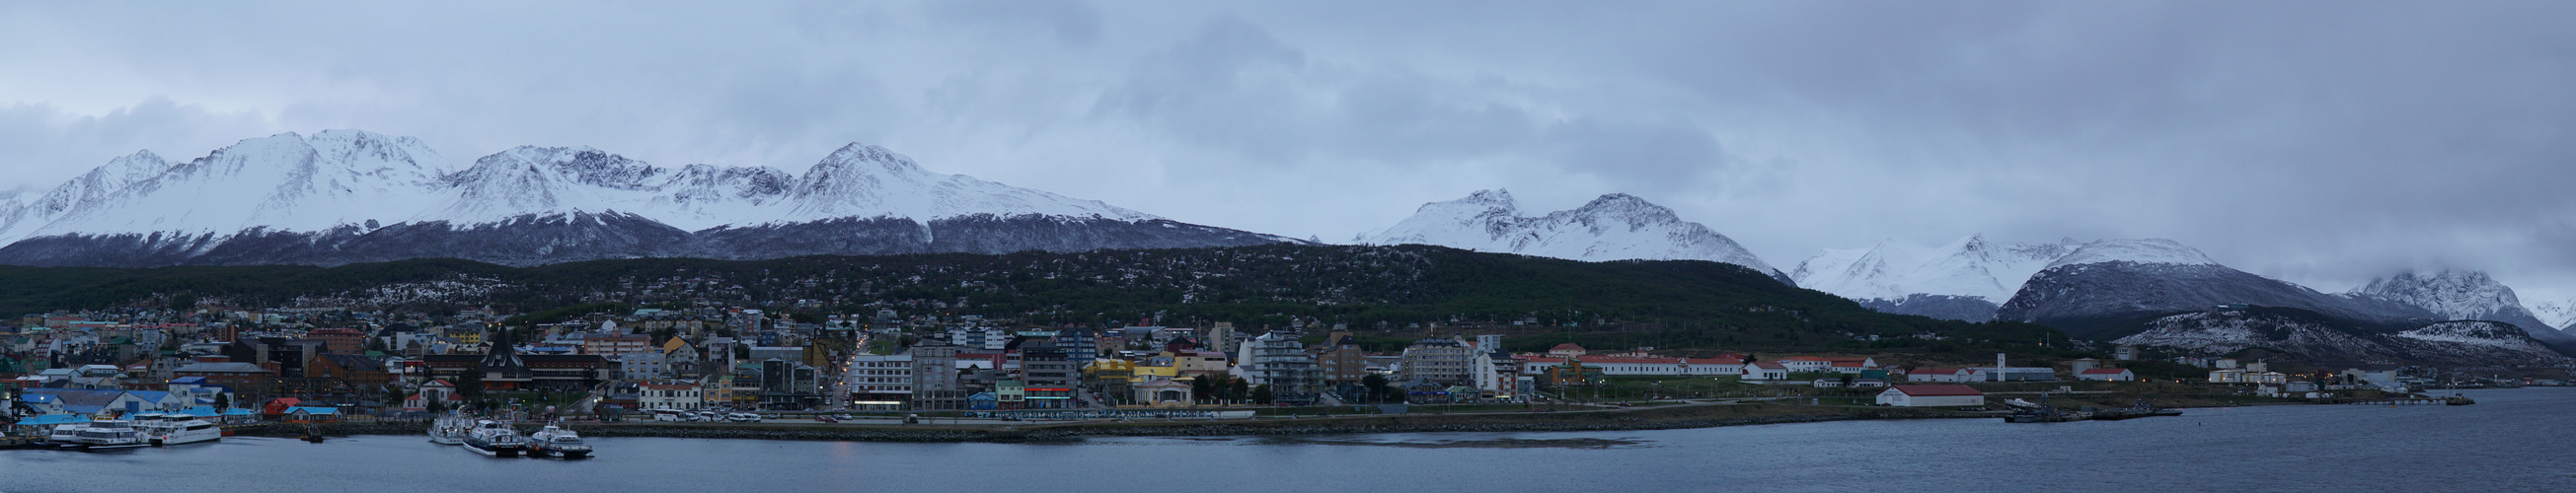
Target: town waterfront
x,y
2512,440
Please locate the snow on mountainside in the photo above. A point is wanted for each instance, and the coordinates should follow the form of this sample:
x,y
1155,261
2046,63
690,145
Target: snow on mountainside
x,y
868,181
857,181
2462,295
21,215
285,182
344,196
2091,291
1612,227
2559,314
2143,251
2324,340
1963,271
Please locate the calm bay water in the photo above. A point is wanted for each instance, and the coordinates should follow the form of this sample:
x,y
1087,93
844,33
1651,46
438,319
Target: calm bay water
x,y
2513,440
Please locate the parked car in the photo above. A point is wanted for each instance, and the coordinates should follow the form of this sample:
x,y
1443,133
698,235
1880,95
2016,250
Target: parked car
x,y
826,419
744,418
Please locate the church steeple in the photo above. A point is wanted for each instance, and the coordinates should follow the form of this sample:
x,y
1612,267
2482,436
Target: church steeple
x,y
504,356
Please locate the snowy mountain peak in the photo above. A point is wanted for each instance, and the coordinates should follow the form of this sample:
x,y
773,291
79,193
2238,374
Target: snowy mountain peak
x,y
342,196
1894,270
2142,251
283,182
2455,295
1612,227
869,181
856,154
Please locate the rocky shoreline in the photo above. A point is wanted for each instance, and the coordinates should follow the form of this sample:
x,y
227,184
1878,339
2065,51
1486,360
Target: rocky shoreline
x,y
1677,417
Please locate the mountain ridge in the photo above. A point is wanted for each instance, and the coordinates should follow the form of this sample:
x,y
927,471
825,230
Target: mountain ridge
x,y
342,196
1614,226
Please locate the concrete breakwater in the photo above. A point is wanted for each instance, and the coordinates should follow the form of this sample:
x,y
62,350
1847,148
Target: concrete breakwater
x,y
1706,416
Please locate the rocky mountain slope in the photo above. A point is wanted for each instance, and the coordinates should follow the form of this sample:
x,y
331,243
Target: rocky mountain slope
x,y
345,196
1612,227
2103,289
2462,295
2323,339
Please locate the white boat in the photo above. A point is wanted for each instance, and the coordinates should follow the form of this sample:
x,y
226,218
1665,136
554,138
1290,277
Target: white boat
x,y
176,429
557,441
495,439
106,435
450,430
65,433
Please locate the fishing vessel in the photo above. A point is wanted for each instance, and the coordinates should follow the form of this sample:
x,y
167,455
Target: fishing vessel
x,y
495,439
557,441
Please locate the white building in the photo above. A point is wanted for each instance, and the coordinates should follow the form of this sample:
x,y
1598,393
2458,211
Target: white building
x,y
1765,370
1279,361
1943,375
880,380
675,396
1950,395
2227,376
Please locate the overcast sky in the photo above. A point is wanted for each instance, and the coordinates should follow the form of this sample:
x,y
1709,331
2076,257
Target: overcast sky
x,y
2324,142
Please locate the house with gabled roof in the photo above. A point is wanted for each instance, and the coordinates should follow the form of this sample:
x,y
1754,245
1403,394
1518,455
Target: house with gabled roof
x,y
1932,395
1765,371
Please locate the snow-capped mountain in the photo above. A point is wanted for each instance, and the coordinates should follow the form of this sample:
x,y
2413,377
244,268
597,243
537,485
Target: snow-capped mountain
x,y
1614,227
2462,295
2560,314
2325,340
350,196
1963,280
2098,290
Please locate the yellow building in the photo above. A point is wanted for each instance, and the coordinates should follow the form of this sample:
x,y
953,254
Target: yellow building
x,y
718,390
1159,366
1109,369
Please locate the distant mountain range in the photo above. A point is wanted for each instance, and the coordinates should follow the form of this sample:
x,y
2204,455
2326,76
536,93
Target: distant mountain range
x,y
343,196
1614,227
1966,279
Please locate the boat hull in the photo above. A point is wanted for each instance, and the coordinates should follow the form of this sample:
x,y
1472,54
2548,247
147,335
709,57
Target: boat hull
x,y
495,450
185,439
88,447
